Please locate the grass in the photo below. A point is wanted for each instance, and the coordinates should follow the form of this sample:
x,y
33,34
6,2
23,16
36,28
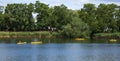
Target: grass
x,y
27,34
48,34
108,35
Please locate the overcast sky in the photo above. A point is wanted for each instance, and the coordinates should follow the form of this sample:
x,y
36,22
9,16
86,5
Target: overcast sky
x,y
72,4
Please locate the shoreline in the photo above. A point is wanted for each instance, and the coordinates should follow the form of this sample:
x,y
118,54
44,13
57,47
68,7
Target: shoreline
x,y
38,34
48,34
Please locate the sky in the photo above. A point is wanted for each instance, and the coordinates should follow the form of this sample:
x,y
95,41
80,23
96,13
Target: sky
x,y
71,4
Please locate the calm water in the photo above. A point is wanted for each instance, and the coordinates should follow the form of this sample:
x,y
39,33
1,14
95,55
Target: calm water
x,y
62,50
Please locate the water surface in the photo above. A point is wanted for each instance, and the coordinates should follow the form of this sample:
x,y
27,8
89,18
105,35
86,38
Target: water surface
x,y
63,50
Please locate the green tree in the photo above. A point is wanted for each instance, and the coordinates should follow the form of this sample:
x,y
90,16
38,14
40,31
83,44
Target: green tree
x,y
106,18
117,16
60,16
1,9
76,28
88,15
6,22
22,13
1,16
43,11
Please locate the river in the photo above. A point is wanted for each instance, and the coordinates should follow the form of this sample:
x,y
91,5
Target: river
x,y
58,50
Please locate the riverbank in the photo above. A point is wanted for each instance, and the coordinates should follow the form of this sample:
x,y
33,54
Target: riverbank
x,y
38,34
48,34
107,35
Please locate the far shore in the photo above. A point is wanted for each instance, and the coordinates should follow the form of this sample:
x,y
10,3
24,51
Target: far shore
x,y
38,34
49,34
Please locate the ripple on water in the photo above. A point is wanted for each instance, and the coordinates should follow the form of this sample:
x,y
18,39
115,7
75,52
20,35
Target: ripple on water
x,y
60,52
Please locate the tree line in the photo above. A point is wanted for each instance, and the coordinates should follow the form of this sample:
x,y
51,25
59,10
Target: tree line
x,y
72,23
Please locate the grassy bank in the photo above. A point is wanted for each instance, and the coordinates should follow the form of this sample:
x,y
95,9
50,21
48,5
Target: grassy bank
x,y
47,34
39,34
107,35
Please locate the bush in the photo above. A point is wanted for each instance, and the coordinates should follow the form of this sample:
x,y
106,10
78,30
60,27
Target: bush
x,y
76,28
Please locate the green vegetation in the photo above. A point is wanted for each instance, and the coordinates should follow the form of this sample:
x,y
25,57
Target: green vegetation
x,y
107,35
76,28
41,34
59,20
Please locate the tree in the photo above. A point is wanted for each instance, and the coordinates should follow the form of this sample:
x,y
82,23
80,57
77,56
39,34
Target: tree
x,y
1,9
6,22
76,28
31,22
43,11
22,14
1,19
117,16
106,18
112,20
60,16
1,16
88,15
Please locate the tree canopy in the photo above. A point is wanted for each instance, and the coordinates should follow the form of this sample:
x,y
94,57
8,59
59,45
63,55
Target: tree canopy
x,y
91,19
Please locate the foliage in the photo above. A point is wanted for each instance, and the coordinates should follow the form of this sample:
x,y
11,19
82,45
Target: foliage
x,y
106,18
21,15
89,20
43,11
76,28
1,9
59,16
